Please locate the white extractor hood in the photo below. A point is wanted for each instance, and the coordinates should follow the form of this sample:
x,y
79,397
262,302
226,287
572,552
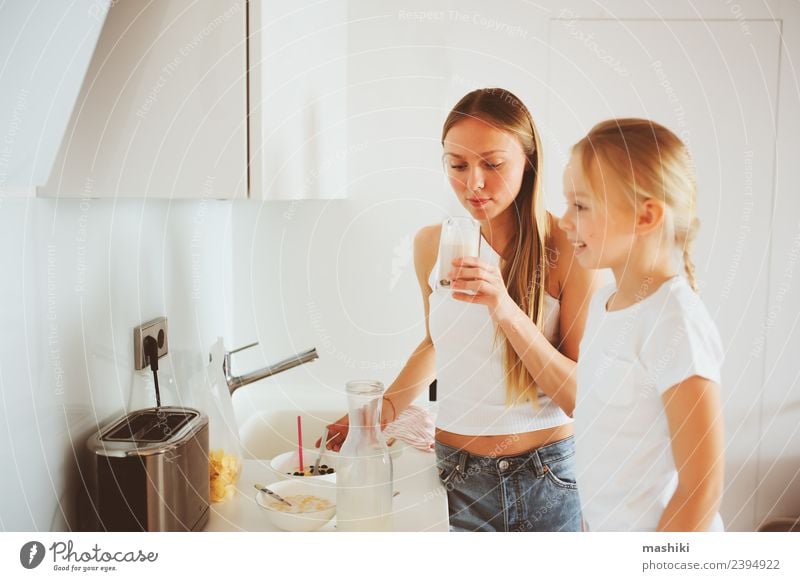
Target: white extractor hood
x,y
45,51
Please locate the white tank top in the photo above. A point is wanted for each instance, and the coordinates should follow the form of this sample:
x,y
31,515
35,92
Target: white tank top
x,y
471,387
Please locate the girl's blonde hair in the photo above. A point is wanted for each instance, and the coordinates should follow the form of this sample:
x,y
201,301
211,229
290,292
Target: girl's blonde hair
x,y
523,266
645,160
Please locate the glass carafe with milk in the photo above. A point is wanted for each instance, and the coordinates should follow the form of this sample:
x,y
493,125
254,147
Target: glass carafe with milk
x,y
460,237
363,467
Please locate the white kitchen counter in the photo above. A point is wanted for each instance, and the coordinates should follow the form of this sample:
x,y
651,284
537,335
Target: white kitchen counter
x,y
421,504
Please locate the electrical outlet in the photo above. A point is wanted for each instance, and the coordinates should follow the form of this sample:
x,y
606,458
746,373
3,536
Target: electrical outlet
x,y
157,328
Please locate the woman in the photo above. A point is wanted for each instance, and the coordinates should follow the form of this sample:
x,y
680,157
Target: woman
x,y
504,357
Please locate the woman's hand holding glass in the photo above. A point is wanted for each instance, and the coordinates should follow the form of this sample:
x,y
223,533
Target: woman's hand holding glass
x,y
485,281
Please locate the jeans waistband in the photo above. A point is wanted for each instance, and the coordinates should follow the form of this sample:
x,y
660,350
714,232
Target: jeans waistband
x,y
534,460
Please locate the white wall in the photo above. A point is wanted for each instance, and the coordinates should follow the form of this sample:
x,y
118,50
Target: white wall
x,y
339,275
78,275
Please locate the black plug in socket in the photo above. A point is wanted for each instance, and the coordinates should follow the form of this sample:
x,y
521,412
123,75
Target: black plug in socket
x,y
157,329
151,352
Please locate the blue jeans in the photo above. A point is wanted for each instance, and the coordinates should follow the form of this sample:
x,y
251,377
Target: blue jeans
x,y
534,491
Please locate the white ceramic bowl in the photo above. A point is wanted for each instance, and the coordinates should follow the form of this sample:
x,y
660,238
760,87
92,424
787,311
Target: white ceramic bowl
x,y
288,462
299,522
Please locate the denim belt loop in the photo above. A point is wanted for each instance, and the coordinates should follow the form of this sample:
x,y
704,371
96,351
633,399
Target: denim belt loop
x,y
461,467
538,467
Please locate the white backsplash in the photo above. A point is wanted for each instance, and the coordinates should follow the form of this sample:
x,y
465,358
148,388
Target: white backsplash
x,y
78,276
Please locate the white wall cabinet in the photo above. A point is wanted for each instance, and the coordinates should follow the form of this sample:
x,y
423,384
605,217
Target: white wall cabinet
x,y
45,48
163,108
298,99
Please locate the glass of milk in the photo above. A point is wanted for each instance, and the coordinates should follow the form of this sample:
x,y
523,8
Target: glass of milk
x,y
460,237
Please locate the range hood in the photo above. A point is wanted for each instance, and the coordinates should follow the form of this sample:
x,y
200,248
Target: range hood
x,y
45,51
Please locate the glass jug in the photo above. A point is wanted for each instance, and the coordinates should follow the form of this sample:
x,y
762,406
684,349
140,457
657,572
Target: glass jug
x,y
364,467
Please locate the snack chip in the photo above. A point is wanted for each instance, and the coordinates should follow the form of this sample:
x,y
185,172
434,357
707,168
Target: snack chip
x,y
223,471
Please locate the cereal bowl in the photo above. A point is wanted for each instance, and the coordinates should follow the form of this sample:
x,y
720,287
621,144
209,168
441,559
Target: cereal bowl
x,y
313,504
287,465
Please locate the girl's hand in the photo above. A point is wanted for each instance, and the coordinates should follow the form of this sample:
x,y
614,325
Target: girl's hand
x,y
485,280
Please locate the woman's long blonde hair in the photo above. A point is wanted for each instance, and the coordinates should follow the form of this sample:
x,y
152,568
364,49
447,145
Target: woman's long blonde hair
x,y
645,160
524,262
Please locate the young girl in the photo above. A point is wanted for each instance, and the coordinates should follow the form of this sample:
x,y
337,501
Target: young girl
x,y
504,357
647,419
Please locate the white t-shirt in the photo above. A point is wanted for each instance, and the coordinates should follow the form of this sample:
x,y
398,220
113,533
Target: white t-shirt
x,y
628,359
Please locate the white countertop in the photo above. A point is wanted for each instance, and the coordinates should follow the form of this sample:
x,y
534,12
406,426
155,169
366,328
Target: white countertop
x,y
421,504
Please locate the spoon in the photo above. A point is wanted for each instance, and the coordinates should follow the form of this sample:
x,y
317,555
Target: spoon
x,y
274,495
322,449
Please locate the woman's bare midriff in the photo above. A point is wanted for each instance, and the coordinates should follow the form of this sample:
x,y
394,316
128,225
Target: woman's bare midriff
x,y
505,444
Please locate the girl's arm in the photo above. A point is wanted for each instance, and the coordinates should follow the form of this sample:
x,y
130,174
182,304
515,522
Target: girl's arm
x,y
552,368
694,416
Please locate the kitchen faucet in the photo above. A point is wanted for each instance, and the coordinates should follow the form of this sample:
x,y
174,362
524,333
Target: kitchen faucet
x,y
237,381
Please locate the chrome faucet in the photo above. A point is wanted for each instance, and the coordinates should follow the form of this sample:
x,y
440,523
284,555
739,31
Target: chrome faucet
x,y
237,381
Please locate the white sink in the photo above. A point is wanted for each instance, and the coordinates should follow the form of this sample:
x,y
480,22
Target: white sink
x,y
266,413
267,434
